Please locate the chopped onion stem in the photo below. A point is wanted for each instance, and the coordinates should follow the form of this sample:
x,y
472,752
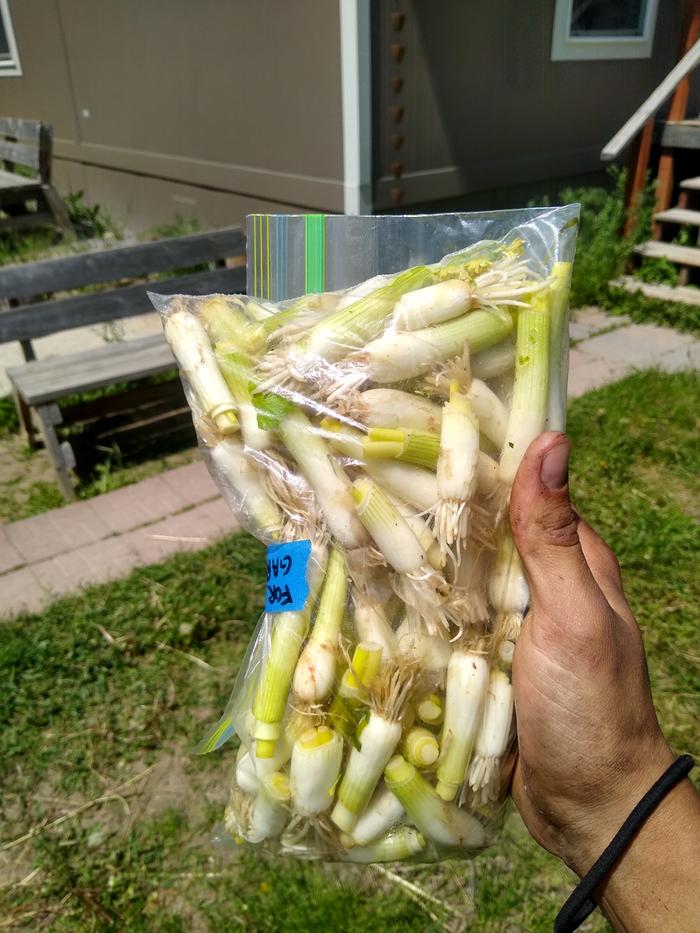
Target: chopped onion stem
x,y
437,819
528,410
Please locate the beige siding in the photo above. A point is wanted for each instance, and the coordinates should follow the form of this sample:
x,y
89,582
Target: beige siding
x,y
240,98
43,91
141,201
485,107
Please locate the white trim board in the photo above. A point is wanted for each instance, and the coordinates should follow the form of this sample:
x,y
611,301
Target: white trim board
x,y
14,68
355,68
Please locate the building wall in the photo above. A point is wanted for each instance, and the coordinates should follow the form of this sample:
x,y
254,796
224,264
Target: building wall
x,y
217,108
481,105
211,108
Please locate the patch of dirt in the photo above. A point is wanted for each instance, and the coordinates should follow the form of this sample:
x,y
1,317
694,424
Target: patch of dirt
x,y
172,784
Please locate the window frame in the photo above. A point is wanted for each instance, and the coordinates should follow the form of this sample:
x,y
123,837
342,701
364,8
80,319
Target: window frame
x,y
12,68
566,48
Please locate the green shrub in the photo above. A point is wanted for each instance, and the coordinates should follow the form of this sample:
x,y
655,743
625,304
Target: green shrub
x,y
89,220
603,253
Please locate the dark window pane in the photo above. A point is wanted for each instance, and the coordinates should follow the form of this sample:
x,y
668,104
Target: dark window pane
x,y
607,17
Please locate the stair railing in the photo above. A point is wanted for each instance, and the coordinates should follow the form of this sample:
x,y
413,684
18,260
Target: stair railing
x,y
640,126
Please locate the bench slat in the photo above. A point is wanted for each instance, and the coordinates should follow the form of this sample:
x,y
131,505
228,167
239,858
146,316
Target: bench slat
x,y
69,272
20,129
48,380
10,180
49,317
21,153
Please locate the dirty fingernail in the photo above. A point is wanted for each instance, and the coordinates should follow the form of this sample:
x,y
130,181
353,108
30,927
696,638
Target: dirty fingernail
x,y
554,472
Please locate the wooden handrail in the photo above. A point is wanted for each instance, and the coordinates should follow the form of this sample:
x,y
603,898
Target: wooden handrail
x,y
625,135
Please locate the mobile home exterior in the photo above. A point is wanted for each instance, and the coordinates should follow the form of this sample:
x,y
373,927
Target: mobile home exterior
x,y
218,109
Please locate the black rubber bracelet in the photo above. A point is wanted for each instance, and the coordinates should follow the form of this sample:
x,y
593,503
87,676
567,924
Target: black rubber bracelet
x,y
580,903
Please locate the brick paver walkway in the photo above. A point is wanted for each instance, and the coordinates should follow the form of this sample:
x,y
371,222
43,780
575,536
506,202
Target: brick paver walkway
x,y
106,537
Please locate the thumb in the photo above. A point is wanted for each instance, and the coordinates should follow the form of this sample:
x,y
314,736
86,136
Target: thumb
x,y
545,530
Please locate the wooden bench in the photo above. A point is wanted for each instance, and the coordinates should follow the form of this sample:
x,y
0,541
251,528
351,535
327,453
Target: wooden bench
x,y
39,385
28,201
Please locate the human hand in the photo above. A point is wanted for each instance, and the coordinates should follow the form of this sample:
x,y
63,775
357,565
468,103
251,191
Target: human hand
x,y
589,742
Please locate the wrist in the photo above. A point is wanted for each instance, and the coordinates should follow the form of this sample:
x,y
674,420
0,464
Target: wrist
x,y
643,880
592,828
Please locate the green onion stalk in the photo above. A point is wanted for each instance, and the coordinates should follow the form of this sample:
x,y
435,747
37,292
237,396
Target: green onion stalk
x,y
394,408
286,636
528,410
558,346
457,470
330,484
237,370
438,820
418,584
315,671
243,487
226,322
465,692
195,356
501,283
383,813
492,738
377,743
396,356
419,448
508,590
397,846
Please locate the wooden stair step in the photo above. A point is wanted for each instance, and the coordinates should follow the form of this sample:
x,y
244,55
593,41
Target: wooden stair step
x,y
681,294
679,215
683,134
657,249
691,184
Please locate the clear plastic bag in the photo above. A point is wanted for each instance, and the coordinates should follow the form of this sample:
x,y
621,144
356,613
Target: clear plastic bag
x,y
369,433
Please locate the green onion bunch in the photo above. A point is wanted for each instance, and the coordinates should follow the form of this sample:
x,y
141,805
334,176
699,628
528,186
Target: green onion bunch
x,y
384,424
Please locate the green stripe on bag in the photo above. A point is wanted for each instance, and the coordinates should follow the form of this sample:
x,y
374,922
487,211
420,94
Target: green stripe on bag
x,y
315,239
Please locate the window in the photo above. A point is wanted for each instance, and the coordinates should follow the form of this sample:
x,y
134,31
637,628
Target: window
x,y
600,29
9,58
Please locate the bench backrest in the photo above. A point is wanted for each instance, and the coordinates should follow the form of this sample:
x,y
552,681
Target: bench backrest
x,y
26,143
39,315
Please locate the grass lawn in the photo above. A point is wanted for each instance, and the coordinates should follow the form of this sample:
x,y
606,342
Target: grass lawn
x,y
102,687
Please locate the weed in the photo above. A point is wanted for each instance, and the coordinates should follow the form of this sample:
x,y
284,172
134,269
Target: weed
x,y
90,220
9,422
179,226
28,245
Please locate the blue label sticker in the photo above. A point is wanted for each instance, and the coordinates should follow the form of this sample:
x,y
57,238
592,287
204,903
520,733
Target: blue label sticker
x,y
287,587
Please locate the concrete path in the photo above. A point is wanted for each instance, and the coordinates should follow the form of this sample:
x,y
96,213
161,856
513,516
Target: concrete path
x,y
605,348
104,538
